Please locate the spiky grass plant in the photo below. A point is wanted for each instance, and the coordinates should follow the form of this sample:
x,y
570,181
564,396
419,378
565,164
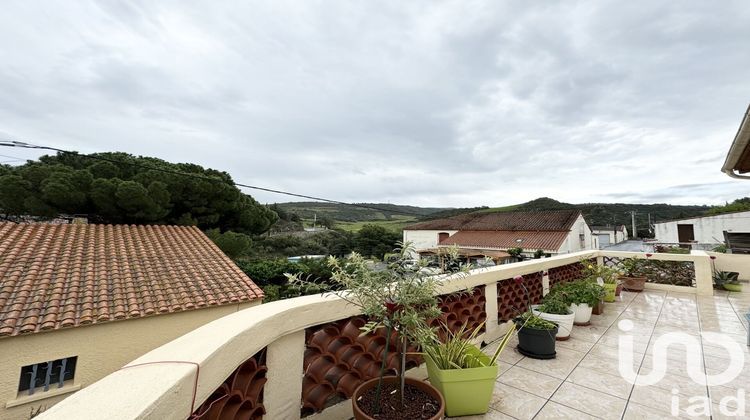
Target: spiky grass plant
x,y
453,353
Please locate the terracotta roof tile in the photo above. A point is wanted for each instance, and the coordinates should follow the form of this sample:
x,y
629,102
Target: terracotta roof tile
x,y
59,276
548,241
558,220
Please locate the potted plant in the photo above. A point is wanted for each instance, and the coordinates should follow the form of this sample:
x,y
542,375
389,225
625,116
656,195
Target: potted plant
x,y
536,336
463,373
610,289
630,278
604,276
582,296
557,310
728,280
401,298
516,253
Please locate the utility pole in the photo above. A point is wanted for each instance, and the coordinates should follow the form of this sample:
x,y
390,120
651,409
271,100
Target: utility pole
x,y
632,218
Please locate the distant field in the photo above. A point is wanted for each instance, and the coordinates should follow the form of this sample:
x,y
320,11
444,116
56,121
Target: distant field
x,y
499,209
396,224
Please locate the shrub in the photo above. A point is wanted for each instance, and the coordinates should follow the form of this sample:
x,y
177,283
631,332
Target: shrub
x,y
231,243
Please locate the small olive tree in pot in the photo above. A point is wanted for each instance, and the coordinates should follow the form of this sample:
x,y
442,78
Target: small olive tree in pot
x,y
401,298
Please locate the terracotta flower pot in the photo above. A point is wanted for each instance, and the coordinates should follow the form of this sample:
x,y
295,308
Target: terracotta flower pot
x,y
599,308
633,284
421,385
619,289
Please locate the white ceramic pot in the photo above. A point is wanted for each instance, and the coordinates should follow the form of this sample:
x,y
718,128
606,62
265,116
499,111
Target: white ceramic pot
x,y
581,312
564,322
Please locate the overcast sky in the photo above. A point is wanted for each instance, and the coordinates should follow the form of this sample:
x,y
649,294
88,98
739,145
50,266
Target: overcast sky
x,y
432,103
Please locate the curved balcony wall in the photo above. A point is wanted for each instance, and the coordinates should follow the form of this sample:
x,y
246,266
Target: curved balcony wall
x,y
282,359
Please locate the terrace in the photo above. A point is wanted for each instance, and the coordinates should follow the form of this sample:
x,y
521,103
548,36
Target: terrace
x,y
288,359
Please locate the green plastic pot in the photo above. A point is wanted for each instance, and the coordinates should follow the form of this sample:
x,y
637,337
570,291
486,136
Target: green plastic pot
x,y
466,391
733,287
610,290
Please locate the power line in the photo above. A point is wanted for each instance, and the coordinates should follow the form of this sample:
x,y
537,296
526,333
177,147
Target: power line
x,y
20,144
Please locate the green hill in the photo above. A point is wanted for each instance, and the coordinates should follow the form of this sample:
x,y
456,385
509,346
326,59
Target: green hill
x,y
599,214
347,213
395,217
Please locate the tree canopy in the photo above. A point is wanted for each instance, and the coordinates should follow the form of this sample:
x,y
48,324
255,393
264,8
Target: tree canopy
x,y
375,241
122,188
740,204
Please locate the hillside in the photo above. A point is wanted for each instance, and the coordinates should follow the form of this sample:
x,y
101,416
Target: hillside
x,y
346,213
394,217
597,214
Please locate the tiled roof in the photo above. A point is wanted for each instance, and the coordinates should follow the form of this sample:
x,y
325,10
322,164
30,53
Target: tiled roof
x,y
532,240
559,220
59,276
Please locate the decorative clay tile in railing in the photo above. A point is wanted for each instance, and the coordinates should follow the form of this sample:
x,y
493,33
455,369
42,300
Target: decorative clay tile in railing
x,y
240,396
338,359
462,309
565,273
512,299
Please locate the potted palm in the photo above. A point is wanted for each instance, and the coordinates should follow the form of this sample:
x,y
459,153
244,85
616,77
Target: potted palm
x,y
400,299
631,279
582,296
536,335
555,309
463,373
728,280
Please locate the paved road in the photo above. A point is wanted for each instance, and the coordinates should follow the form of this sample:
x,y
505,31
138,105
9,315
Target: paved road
x,y
632,246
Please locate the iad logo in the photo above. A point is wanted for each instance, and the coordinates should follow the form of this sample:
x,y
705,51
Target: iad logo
x,y
729,406
693,359
698,405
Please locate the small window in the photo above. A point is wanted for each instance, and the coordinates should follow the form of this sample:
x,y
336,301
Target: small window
x,y
582,238
443,236
47,374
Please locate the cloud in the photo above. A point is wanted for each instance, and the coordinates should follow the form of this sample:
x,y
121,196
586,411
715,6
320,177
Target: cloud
x,y
449,104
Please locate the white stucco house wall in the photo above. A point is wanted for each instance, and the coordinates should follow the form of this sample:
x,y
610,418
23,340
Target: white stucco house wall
x,y
704,230
554,232
609,235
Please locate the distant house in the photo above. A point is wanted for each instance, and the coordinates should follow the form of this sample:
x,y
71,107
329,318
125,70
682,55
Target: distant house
x,y
554,232
77,302
609,235
704,229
